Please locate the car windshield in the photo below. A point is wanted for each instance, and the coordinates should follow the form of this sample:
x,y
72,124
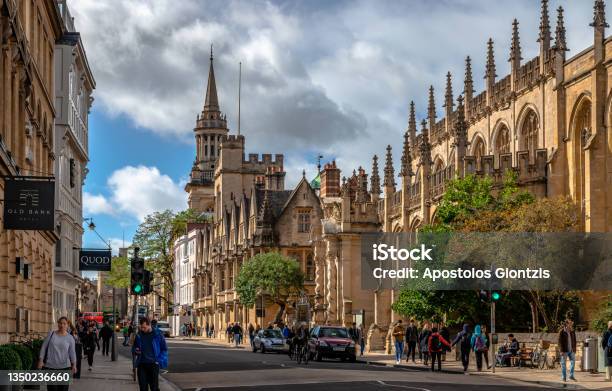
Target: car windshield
x,y
333,332
163,325
272,334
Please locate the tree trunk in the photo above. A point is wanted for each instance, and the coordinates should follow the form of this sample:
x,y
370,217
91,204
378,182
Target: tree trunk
x,y
281,310
534,318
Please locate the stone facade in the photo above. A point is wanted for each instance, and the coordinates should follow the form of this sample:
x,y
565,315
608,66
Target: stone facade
x,y
549,121
248,212
74,84
29,32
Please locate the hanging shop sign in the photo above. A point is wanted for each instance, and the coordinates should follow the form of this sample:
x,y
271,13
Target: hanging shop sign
x,y
95,260
29,203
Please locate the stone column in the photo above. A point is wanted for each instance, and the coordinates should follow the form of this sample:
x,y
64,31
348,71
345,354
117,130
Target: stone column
x,y
332,286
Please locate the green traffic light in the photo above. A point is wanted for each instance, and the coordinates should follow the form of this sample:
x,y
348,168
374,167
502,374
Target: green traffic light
x,y
137,288
495,296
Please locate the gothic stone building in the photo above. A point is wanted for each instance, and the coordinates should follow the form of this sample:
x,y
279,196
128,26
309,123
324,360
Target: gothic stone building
x,y
549,120
249,212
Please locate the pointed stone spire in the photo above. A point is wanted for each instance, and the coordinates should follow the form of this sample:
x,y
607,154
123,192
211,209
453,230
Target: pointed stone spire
x,y
490,66
599,15
560,41
544,35
468,84
412,125
211,102
460,141
375,178
406,169
389,172
515,46
431,109
448,95
424,147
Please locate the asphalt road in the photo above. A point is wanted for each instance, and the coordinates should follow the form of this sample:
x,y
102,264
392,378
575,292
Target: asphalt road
x,y
197,366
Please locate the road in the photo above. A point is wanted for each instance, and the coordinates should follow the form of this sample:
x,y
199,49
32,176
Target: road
x,y
198,366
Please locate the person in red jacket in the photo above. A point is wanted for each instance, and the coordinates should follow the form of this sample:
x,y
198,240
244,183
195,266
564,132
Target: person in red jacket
x,y
436,345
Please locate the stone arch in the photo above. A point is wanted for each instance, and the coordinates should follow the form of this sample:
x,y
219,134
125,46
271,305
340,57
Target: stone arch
x,y
478,147
415,224
579,132
528,129
438,163
501,140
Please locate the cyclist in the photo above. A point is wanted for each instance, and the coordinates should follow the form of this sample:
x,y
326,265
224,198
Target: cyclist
x,y
300,339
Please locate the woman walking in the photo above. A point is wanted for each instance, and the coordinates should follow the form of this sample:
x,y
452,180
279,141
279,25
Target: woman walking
x,y
57,352
424,343
479,344
89,345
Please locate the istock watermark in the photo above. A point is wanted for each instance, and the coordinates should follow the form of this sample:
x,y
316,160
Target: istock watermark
x,y
486,261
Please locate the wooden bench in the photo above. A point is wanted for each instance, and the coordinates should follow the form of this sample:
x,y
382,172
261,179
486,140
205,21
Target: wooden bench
x,y
525,356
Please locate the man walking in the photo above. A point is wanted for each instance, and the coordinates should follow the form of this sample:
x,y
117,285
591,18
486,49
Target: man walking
x,y
237,333
106,333
464,339
567,347
436,345
412,335
151,354
398,335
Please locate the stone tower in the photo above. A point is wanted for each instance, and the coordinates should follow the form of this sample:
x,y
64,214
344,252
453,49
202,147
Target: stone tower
x,y
210,130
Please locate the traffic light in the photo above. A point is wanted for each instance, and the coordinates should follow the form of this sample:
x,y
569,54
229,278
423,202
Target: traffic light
x,y
137,275
495,295
148,278
483,295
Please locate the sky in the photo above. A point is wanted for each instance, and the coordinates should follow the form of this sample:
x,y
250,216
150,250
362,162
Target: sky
x,y
330,78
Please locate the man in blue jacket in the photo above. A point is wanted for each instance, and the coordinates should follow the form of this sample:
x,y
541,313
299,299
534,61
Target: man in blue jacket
x,y
151,354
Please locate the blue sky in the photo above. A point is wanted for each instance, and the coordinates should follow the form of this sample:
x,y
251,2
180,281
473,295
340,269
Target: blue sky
x,y
329,78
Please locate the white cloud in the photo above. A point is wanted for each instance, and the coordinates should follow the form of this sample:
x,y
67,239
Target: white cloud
x,y
139,191
94,204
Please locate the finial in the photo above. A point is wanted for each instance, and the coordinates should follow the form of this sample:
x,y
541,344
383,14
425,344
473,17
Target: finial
x,y
599,14
560,42
303,173
412,124
432,107
460,125
490,67
468,89
389,173
515,47
544,36
375,179
424,147
448,101
211,52
406,168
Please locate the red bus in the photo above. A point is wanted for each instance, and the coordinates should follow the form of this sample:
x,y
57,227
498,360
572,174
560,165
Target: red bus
x,y
98,317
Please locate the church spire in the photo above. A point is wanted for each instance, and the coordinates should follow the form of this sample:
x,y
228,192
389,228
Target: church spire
x,y
375,178
431,109
412,125
544,36
515,46
211,102
599,14
560,41
490,67
406,169
448,96
389,172
425,147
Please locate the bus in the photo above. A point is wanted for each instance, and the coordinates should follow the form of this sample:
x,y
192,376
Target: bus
x,y
98,317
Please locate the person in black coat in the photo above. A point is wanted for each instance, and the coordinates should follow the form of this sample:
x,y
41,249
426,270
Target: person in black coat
x,y
89,342
106,333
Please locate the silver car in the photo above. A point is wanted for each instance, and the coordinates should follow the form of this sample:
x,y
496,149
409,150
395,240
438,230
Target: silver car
x,y
164,327
270,341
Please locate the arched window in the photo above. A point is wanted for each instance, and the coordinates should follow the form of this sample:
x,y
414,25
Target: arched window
x,y
478,149
310,268
502,141
581,133
529,133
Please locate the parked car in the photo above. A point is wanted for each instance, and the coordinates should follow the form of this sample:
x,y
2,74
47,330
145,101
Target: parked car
x,y
164,327
270,341
331,342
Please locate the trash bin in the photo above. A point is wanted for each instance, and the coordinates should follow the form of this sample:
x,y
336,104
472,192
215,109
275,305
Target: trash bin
x,y
589,355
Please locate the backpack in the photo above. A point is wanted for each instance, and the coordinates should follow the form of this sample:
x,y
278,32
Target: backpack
x,y
465,342
479,344
436,345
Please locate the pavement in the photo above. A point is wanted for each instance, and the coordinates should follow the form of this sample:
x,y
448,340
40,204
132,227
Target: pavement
x,y
201,364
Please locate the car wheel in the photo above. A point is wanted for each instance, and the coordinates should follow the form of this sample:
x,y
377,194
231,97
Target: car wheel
x,y
254,349
263,348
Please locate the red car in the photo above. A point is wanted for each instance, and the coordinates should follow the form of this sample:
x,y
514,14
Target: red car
x,y
331,342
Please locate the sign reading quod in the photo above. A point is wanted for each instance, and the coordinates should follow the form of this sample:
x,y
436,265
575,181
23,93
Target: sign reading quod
x,y
95,260
29,204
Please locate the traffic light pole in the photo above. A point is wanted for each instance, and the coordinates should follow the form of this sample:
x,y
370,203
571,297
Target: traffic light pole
x,y
113,341
493,344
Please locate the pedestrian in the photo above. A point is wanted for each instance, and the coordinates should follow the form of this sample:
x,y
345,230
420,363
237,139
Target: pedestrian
x,y
486,355
423,343
106,333
352,332
57,352
236,332
286,332
251,330
89,345
126,335
78,349
567,347
228,332
443,330
362,340
464,340
212,330
398,337
606,344
207,329
479,345
436,345
151,354
412,336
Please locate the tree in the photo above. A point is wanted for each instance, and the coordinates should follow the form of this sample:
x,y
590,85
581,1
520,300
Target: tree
x,y
119,276
272,275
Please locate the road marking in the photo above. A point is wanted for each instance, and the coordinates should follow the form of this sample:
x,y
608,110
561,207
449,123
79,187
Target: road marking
x,y
382,383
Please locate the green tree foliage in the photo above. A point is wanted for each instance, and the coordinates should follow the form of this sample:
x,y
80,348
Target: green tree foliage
x,y
119,276
9,359
474,204
604,315
270,274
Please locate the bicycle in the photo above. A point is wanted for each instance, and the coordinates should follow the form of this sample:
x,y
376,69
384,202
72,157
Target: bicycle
x,y
303,355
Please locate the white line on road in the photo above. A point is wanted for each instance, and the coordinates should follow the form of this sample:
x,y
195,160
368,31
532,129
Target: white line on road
x,y
382,383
